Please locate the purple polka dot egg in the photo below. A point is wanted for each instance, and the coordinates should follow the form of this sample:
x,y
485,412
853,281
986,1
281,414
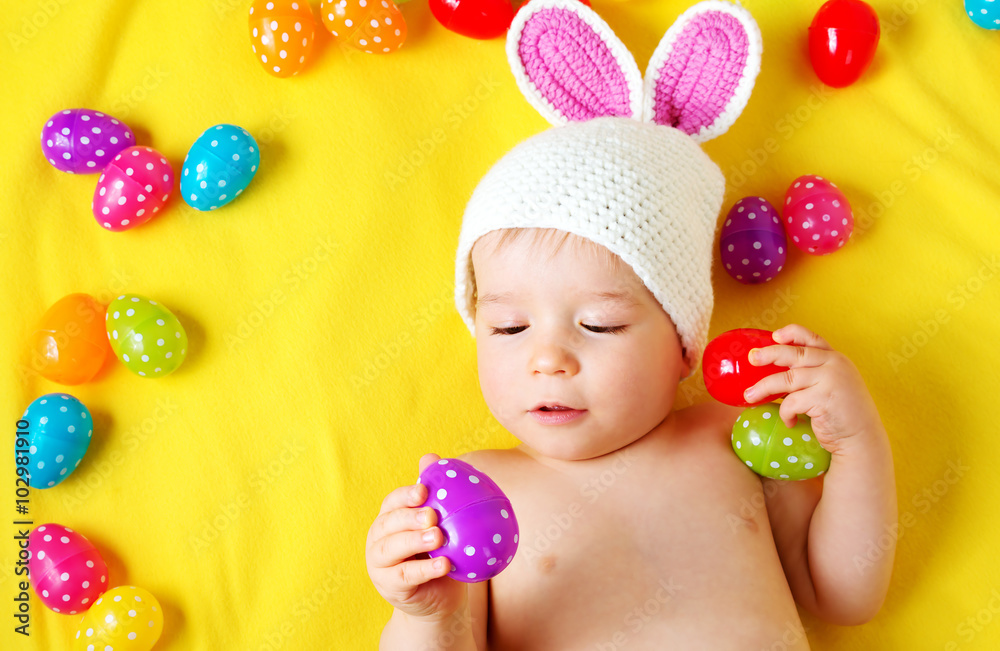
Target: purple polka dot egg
x,y
817,215
82,141
480,530
752,243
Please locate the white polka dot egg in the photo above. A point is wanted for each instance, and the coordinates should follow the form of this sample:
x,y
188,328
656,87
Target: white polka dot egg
x,y
66,571
752,243
134,186
281,35
769,448
146,336
477,519
219,166
82,141
60,428
817,216
125,618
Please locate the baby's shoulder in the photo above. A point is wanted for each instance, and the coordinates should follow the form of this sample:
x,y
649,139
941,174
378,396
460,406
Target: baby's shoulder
x,y
707,418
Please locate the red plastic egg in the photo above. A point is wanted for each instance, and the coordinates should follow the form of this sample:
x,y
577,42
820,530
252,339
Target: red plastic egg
x,y
65,569
374,26
817,215
482,19
70,343
281,35
753,245
133,187
727,369
843,37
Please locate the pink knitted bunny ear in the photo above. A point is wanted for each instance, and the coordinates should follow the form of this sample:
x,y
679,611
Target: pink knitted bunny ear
x,y
570,65
700,76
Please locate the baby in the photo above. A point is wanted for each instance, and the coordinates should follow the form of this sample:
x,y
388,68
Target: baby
x,y
584,273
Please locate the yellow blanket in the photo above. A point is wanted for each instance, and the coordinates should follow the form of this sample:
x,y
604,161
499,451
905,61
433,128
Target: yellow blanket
x,y
325,352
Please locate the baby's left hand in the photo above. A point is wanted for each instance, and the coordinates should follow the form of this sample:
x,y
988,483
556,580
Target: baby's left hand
x,y
821,383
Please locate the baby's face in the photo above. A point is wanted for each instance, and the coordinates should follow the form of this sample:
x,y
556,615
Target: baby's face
x,y
576,357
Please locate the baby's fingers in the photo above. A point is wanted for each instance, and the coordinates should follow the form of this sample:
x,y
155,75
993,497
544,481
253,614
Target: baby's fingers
x,y
789,356
799,336
397,547
794,379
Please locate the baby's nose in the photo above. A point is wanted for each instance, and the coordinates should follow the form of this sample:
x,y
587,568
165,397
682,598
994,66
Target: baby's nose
x,y
551,357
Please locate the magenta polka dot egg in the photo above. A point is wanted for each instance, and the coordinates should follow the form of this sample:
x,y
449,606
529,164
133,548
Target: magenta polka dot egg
x,y
817,215
753,245
134,186
81,141
477,520
65,570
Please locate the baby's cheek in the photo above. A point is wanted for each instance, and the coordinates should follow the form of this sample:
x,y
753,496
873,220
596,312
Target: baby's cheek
x,y
496,383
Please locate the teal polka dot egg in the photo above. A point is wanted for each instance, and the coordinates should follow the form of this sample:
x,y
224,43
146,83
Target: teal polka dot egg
x,y
985,13
59,431
219,166
146,336
771,449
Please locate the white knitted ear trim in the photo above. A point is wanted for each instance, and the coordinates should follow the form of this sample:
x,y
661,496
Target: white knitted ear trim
x,y
736,104
533,94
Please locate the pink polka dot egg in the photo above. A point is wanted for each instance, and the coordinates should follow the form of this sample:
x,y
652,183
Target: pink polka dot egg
x,y
817,215
65,570
134,186
477,519
81,141
125,618
753,245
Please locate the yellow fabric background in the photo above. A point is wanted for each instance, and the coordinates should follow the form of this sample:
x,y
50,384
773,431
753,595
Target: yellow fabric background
x,y
325,353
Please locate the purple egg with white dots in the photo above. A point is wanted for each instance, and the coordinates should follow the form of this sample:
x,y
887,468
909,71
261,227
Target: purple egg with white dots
x,y
82,141
752,243
477,519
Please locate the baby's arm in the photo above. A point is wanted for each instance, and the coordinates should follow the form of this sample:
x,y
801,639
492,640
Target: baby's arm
x,y
828,557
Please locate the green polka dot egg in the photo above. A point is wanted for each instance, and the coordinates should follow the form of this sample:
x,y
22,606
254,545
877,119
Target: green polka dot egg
x,y
773,450
146,337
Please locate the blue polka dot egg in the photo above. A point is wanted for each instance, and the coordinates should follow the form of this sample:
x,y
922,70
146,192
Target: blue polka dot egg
x,y
985,13
59,430
219,166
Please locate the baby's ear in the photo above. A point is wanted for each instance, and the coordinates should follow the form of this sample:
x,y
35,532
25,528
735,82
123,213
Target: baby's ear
x,y
700,76
569,64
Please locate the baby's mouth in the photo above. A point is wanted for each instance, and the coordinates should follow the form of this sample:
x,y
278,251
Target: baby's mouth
x,y
553,413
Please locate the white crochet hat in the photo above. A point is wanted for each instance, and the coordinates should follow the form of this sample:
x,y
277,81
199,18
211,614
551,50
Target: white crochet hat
x,y
622,167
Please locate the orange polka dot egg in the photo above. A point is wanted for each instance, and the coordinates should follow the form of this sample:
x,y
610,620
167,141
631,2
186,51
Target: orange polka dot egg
x,y
282,35
374,26
125,618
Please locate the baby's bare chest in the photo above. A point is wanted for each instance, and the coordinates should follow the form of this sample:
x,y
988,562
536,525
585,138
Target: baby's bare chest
x,y
638,550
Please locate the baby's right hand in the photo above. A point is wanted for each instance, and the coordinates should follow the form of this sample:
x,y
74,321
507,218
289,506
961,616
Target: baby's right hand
x,y
396,555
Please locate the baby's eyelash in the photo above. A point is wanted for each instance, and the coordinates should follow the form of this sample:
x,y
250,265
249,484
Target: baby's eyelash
x,y
614,330
510,330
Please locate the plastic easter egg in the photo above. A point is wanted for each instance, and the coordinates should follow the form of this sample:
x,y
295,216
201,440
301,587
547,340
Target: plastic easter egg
x,y
480,530
727,369
66,571
482,19
69,345
843,37
145,336
133,188
81,141
753,245
125,618
985,13
373,26
282,34
219,166
771,449
817,215
59,431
